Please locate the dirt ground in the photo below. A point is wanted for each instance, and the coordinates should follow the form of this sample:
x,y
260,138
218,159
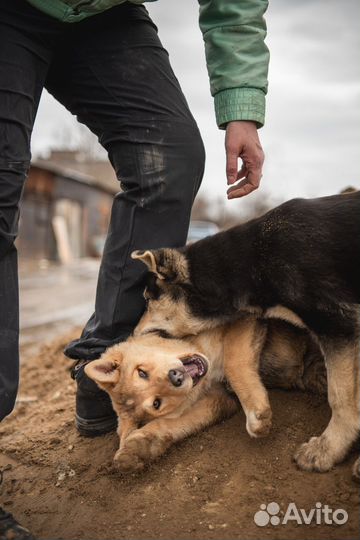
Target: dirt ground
x,y
62,486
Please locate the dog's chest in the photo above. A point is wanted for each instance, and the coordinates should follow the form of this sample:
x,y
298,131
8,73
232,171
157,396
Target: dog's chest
x,y
216,371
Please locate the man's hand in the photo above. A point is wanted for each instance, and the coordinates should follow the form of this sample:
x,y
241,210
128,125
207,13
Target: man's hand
x,y
242,141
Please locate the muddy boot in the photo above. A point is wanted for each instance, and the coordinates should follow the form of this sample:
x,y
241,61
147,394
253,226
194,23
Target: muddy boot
x,y
10,529
94,413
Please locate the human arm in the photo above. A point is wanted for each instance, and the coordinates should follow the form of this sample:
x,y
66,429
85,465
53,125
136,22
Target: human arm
x,y
237,59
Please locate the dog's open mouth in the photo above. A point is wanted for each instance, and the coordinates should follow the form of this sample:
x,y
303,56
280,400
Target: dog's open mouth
x,y
196,366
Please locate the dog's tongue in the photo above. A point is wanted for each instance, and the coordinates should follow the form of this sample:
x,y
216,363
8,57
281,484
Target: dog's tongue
x,y
192,369
195,366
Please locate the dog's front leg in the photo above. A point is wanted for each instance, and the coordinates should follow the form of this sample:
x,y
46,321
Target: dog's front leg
x,y
151,441
243,345
342,365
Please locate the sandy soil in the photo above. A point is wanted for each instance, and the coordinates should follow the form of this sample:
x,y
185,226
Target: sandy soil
x,y
208,487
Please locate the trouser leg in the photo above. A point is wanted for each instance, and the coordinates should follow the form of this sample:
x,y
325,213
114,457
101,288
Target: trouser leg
x,y
24,60
120,84
153,211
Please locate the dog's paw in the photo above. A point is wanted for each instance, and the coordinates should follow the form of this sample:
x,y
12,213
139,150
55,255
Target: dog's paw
x,y
138,450
315,455
258,423
125,461
356,470
133,455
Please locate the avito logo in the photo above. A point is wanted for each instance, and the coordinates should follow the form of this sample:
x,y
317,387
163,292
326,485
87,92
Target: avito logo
x,y
321,514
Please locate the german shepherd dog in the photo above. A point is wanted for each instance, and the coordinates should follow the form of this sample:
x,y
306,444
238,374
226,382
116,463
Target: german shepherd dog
x,y
165,389
299,262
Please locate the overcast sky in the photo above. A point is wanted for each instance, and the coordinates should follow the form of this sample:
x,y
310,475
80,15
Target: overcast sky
x,y
312,133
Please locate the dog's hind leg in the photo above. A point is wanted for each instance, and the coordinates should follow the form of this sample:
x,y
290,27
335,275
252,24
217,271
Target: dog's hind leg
x,y
342,365
243,345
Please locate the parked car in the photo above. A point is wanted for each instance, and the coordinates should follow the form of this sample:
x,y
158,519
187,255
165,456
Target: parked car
x,y
201,229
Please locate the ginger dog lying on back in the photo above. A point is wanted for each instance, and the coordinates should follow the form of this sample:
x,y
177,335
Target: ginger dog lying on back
x,y
165,389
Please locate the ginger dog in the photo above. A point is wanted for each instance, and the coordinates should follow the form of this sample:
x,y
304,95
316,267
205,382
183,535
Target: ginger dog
x,y
165,389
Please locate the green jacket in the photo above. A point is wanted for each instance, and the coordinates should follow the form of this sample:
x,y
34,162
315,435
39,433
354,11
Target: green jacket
x,y
236,55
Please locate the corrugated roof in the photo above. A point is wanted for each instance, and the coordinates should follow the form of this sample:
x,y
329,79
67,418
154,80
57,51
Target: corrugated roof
x,y
94,173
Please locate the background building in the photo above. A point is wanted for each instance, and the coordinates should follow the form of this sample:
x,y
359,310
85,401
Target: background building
x,y
66,207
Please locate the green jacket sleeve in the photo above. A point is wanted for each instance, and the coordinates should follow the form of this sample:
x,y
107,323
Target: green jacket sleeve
x,y
237,57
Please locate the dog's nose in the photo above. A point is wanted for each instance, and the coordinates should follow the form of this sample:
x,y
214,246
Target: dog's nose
x,y
176,377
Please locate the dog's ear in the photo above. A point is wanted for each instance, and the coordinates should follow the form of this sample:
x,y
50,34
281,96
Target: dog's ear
x,y
167,264
105,371
151,259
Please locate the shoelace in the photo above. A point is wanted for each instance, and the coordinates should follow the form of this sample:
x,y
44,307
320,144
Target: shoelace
x,y
75,369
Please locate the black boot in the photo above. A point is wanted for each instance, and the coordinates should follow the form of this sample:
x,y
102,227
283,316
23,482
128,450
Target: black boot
x,y
94,413
10,529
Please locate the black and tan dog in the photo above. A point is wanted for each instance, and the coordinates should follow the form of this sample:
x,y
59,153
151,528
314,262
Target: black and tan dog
x,y
299,262
165,389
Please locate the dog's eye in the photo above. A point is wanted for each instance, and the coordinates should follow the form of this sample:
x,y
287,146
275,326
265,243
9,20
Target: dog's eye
x,y
157,403
143,374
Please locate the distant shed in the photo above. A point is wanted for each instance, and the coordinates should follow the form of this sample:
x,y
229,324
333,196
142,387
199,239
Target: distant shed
x,y
64,212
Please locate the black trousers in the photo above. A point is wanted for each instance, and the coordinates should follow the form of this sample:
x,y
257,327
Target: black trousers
x,y
113,73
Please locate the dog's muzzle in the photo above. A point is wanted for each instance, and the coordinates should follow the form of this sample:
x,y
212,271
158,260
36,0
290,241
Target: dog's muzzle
x,y
196,366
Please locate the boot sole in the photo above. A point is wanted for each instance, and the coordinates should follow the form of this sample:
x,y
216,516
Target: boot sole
x,y
95,427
